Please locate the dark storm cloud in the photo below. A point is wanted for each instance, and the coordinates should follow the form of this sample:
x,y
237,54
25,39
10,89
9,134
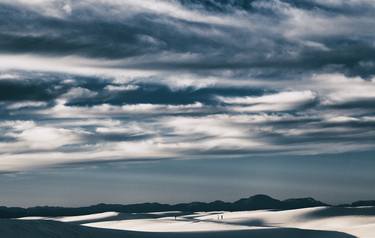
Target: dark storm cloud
x,y
43,86
90,91
12,90
162,94
121,80
261,42
219,5
367,104
29,32
84,34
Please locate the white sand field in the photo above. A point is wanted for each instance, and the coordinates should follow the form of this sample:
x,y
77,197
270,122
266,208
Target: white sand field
x,y
167,224
91,217
358,222
362,226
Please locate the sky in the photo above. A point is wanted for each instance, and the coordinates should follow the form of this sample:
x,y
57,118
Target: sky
x,y
127,101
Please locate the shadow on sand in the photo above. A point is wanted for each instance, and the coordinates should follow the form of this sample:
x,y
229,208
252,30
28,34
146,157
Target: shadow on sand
x,y
341,211
131,216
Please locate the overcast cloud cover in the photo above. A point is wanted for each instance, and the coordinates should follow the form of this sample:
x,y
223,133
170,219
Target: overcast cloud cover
x,y
94,81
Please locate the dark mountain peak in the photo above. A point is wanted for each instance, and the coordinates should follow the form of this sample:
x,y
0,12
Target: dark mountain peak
x,y
259,201
301,203
258,198
262,197
217,202
369,203
306,199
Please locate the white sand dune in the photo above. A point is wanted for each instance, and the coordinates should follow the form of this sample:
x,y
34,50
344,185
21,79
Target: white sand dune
x,y
165,213
168,224
52,229
358,222
91,217
362,226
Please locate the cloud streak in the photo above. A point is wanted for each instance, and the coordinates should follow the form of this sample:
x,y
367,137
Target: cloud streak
x,y
93,81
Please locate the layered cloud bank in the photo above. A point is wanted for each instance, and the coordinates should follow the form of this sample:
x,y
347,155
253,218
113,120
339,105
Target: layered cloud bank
x,y
95,81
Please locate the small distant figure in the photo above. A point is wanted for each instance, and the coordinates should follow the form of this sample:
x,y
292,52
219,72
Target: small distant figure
x,y
175,217
222,217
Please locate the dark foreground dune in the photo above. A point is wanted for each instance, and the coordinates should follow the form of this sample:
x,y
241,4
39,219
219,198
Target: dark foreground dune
x,y
52,229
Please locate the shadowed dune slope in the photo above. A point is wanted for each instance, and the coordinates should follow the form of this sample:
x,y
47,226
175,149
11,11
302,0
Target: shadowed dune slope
x,y
342,211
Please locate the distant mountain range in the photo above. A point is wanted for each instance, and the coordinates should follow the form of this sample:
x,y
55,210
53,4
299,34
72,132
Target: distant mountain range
x,y
252,203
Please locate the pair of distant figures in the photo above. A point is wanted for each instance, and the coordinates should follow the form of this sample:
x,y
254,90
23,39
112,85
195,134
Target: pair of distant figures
x,y
219,217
